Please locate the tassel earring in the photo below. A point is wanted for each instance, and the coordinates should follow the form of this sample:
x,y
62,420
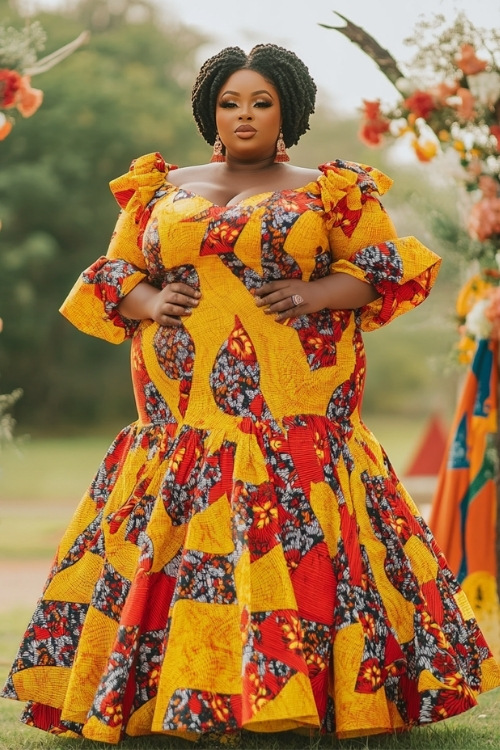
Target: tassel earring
x,y
218,152
281,154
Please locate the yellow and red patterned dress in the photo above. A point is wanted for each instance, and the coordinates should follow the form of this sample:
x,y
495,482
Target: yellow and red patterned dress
x,y
246,556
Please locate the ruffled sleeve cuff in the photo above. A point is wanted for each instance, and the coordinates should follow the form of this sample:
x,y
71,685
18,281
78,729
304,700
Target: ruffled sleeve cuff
x,y
365,244
92,303
402,271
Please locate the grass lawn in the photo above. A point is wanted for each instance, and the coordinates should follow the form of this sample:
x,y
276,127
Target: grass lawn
x,y
41,482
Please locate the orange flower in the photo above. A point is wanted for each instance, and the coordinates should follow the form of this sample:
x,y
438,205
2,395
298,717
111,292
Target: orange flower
x,y
5,127
495,132
468,63
421,103
374,124
465,109
442,91
28,99
265,514
424,150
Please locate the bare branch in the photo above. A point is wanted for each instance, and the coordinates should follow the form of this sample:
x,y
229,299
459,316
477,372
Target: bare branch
x,y
370,46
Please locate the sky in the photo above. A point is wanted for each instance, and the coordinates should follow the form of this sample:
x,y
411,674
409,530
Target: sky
x,y
344,74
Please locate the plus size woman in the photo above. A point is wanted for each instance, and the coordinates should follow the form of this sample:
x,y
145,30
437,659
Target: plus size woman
x,y
246,557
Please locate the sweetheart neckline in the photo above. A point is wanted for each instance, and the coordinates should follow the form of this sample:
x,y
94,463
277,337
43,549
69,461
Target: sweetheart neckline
x,y
193,194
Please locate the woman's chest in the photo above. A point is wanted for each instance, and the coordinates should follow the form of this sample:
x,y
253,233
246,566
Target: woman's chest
x,y
280,234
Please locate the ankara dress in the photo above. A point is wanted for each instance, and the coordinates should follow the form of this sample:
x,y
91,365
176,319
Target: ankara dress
x,y
246,556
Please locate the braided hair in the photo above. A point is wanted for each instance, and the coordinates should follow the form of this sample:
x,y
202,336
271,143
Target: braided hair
x,y
288,74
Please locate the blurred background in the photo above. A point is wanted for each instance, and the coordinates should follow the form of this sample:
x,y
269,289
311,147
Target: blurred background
x,y
126,93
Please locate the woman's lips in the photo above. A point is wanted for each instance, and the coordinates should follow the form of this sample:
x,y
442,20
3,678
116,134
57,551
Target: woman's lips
x,y
246,131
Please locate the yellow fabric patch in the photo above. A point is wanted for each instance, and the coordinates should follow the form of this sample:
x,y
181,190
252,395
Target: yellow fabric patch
x,y
270,581
204,656
292,707
423,563
210,530
45,684
96,643
325,508
76,582
354,711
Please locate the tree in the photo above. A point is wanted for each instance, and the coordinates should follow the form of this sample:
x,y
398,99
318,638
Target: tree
x,y
124,94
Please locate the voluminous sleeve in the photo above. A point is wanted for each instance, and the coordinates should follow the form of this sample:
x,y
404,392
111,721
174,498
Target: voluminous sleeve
x,y
364,243
92,303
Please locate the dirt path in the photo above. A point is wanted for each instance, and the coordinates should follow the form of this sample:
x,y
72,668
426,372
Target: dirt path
x,y
21,583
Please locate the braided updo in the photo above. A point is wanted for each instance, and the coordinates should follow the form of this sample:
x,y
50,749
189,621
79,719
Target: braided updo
x,y
288,74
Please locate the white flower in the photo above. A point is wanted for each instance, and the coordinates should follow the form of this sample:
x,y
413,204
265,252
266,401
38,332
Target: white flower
x,y
406,86
476,322
396,127
485,87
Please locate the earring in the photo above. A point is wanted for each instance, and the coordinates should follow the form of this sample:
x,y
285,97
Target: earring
x,y
281,154
218,152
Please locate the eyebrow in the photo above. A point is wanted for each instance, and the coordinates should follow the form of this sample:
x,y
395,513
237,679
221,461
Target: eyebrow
x,y
254,93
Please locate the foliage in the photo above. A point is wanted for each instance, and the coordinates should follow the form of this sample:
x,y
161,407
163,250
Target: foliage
x,y
123,94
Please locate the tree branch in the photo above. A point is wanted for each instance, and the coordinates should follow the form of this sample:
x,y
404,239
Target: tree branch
x,y
370,46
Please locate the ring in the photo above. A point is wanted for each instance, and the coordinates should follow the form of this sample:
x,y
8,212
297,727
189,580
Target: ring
x,y
297,299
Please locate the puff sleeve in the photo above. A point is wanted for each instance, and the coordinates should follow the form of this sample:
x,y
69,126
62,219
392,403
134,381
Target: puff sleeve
x,y
364,243
92,303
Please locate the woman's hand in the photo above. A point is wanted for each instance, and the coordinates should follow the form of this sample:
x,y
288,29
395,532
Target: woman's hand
x,y
290,298
174,302
166,306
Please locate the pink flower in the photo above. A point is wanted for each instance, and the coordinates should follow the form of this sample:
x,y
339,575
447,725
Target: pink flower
x,y
484,217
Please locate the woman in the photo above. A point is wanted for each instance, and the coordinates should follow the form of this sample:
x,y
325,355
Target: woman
x,y
246,555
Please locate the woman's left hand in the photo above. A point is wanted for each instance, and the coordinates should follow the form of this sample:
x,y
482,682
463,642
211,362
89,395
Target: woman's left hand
x,y
289,298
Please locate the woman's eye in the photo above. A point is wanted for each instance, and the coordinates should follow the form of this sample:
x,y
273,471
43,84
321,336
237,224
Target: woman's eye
x,y
263,104
227,105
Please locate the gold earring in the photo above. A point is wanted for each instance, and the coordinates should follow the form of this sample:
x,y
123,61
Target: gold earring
x,y
218,152
281,154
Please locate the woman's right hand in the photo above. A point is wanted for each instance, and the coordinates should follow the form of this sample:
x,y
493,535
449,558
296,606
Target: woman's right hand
x,y
165,306
174,302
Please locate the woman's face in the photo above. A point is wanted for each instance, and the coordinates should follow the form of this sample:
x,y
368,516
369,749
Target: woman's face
x,y
248,116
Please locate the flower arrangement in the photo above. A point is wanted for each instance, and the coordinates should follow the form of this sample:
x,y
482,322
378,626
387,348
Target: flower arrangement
x,y
449,99
18,63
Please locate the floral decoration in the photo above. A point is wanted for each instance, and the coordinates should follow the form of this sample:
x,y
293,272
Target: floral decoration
x,y
450,100
19,61
478,310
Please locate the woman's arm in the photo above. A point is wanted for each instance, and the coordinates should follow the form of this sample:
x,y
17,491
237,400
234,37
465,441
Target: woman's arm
x,y
339,291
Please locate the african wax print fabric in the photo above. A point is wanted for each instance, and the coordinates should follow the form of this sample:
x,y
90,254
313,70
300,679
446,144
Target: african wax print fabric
x,y
246,556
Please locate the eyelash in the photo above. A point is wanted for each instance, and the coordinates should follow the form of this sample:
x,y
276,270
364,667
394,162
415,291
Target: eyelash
x,y
231,105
